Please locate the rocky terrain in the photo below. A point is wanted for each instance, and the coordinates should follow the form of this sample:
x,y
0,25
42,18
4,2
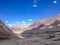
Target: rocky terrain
x,y
42,32
5,32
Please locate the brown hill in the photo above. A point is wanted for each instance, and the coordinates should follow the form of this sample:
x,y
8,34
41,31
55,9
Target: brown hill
x,y
41,26
47,21
5,32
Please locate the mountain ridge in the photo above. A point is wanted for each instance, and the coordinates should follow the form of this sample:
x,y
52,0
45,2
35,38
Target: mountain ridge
x,y
5,32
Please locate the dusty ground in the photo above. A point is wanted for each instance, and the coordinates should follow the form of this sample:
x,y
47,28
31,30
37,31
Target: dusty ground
x,y
31,41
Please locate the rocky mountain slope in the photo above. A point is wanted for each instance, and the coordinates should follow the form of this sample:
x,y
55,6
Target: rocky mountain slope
x,y
5,32
42,26
47,21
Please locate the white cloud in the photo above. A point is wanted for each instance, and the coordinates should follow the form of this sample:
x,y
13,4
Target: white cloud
x,y
9,25
34,5
54,1
6,21
20,24
23,22
29,19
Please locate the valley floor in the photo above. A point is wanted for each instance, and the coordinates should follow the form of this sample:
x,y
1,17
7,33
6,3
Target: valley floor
x,y
30,41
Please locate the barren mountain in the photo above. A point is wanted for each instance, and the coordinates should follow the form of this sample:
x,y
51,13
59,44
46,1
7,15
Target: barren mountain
x,y
5,32
42,26
47,21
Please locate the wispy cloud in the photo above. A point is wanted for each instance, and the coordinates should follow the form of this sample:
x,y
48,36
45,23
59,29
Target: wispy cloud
x,y
23,21
54,1
9,24
20,23
29,19
6,21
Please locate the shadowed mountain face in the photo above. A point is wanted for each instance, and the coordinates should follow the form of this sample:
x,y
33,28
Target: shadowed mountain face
x,y
5,32
56,23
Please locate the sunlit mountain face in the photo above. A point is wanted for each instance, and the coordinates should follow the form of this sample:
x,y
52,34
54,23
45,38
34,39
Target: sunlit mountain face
x,y
22,13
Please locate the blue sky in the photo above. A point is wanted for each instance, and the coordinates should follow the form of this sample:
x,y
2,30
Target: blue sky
x,y
13,11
